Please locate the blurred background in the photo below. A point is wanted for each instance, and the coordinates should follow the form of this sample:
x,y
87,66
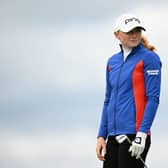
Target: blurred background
x,y
52,78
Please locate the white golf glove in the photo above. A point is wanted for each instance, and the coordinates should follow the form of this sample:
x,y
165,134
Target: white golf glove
x,y
138,145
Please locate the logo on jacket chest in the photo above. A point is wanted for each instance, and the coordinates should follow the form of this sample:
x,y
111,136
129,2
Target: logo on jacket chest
x,y
109,68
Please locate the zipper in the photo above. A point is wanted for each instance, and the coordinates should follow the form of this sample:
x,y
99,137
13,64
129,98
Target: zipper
x,y
115,110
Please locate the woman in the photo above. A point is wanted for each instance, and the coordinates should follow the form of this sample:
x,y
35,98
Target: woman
x,y
133,79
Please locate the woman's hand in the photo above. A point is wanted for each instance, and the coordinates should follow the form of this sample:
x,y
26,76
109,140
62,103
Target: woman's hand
x,y
101,148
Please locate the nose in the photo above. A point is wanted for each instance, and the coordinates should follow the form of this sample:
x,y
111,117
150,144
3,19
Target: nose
x,y
134,34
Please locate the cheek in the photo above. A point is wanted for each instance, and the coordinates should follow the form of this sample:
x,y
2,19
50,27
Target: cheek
x,y
139,35
123,39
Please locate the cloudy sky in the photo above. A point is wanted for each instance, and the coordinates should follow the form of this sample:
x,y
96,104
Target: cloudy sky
x,y
52,78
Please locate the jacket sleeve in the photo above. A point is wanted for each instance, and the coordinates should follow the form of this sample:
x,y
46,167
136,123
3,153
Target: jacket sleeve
x,y
152,76
103,123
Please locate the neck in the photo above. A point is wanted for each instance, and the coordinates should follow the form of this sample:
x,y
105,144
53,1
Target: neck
x,y
126,48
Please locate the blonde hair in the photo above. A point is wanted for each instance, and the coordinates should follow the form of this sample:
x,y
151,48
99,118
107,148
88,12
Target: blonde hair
x,y
146,44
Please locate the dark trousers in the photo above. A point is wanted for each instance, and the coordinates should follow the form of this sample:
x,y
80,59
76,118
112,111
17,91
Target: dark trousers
x,y
118,156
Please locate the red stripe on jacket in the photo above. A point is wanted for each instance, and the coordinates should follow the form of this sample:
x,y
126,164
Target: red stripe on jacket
x,y
139,92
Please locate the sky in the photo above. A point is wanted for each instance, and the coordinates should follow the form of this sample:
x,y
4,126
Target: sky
x,y
52,78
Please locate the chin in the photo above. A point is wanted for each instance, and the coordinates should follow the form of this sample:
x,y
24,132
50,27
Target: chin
x,y
134,45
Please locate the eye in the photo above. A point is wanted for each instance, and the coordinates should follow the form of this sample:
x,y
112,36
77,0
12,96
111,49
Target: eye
x,y
136,30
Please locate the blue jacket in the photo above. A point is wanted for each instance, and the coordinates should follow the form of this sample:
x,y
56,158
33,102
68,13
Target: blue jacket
x,y
132,92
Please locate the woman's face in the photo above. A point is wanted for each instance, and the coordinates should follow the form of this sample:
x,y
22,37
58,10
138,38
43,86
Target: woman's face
x,y
130,39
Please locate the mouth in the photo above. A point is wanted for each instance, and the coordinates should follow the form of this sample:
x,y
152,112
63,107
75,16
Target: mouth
x,y
133,40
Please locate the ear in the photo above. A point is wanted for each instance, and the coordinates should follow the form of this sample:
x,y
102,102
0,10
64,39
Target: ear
x,y
116,34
